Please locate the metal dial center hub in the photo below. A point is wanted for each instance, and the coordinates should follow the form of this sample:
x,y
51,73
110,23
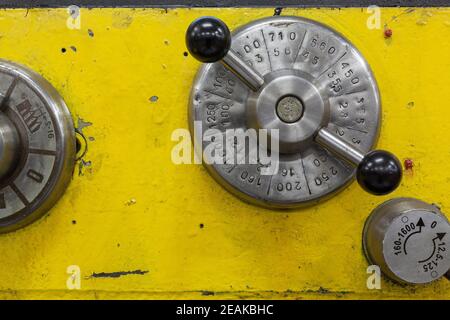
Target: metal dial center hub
x,y
9,146
313,78
289,109
291,104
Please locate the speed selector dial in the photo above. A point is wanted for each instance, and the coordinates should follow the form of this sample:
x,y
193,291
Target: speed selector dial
x,y
304,80
37,146
409,240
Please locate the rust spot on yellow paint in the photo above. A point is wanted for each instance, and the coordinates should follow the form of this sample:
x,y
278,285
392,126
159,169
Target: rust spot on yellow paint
x,y
118,274
121,19
408,164
131,202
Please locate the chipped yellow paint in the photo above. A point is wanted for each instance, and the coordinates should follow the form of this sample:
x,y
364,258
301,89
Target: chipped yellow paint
x,y
129,208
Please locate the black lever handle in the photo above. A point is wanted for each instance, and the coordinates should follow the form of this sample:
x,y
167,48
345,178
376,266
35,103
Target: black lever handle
x,y
208,39
379,172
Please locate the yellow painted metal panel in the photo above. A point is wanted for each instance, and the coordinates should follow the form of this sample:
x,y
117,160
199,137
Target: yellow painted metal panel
x,y
130,208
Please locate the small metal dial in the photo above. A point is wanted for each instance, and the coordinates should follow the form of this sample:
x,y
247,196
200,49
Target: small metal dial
x,y
308,82
409,240
37,146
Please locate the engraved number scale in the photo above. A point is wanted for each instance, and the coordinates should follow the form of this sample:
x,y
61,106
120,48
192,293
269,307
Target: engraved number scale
x,y
307,81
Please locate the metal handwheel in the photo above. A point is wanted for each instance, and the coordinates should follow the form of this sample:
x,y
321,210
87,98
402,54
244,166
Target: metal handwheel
x,y
305,81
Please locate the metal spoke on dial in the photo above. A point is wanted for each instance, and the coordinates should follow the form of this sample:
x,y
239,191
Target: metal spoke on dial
x,y
378,172
339,147
246,73
208,39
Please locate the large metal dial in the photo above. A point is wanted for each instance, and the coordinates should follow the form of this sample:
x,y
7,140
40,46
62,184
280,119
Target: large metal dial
x,y
408,239
297,76
37,141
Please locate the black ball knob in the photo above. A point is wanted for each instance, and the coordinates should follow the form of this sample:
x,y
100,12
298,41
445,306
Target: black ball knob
x,y
208,39
379,173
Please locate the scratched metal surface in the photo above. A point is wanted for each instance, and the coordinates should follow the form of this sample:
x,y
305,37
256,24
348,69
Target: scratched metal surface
x,y
139,226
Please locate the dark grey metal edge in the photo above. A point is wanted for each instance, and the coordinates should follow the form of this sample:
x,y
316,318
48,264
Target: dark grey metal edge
x,y
221,3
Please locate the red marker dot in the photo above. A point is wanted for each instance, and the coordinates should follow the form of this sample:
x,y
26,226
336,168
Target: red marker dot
x,y
387,33
409,164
